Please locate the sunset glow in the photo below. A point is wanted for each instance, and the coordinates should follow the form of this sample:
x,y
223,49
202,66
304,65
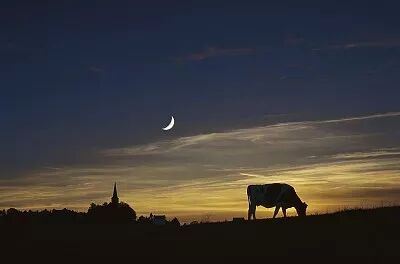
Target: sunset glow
x,y
333,164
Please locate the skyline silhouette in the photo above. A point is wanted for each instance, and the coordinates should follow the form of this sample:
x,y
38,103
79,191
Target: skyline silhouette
x,y
333,163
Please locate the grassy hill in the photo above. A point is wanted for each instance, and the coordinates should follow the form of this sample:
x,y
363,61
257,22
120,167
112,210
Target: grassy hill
x,y
356,235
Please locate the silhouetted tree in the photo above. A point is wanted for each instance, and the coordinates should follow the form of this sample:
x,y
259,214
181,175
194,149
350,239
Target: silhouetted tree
x,y
109,212
175,222
144,220
15,216
12,212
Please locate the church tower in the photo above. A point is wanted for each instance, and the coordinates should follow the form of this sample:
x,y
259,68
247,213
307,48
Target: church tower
x,y
115,199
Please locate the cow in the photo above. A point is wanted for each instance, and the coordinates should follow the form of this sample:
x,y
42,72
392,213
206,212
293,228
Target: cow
x,y
274,194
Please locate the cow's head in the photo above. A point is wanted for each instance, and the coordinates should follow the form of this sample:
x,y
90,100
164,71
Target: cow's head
x,y
301,209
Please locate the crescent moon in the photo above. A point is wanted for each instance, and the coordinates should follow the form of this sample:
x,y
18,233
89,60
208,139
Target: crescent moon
x,y
171,124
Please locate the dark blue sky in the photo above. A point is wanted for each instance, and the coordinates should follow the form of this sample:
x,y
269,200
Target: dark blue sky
x,y
80,76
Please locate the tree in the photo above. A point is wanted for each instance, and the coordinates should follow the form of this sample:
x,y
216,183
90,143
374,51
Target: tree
x,y
109,212
175,222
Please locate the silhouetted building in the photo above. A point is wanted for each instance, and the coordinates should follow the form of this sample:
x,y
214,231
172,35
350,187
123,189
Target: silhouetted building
x,y
115,199
159,219
112,212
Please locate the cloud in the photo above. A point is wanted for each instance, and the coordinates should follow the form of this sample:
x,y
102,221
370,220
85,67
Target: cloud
x,y
375,116
290,132
353,45
215,52
369,154
354,161
368,44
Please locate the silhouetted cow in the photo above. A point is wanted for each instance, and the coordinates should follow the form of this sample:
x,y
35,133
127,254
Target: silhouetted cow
x,y
274,194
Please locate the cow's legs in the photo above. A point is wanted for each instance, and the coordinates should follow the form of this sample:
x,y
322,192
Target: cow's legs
x,y
251,212
276,210
284,211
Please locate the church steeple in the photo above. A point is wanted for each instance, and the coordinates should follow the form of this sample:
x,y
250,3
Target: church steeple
x,y
115,199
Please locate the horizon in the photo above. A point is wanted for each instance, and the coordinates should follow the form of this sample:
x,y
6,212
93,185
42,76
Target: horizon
x,y
174,200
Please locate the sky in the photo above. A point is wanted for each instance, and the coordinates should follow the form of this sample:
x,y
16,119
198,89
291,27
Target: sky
x,y
305,93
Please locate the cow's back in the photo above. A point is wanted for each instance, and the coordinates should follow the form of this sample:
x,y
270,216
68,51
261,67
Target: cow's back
x,y
267,194
271,194
272,190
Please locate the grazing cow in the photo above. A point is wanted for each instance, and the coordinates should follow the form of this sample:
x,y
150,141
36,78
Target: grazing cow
x,y
274,194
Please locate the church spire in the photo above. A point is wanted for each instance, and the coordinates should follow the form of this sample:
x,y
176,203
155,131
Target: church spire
x,y
115,199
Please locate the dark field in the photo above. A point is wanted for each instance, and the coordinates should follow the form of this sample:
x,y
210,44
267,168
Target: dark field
x,y
367,236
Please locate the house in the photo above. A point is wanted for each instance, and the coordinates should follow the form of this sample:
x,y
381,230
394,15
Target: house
x,y
158,220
